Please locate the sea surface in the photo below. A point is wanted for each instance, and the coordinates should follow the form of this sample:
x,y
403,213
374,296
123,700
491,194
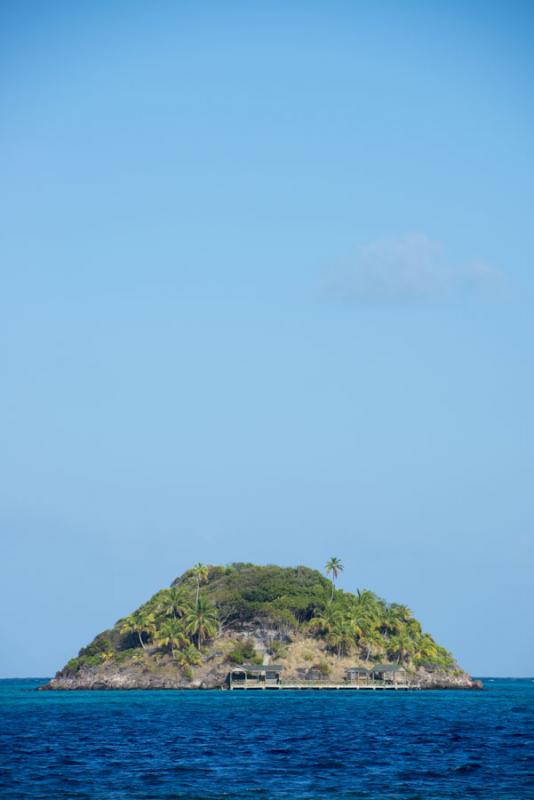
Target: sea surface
x,y
179,744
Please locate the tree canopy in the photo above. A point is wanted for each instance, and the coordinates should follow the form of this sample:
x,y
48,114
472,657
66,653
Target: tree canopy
x,y
209,600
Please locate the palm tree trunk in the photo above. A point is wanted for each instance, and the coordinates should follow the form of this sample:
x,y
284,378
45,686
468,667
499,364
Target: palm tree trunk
x,y
139,636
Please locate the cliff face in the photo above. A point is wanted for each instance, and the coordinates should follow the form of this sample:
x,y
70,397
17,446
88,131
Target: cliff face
x,y
213,618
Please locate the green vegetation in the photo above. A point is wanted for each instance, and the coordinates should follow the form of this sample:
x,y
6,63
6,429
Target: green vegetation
x,y
244,652
201,621
76,664
279,650
285,597
366,624
323,668
201,572
209,601
333,568
178,621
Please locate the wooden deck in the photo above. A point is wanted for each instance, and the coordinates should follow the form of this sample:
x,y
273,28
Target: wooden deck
x,y
322,686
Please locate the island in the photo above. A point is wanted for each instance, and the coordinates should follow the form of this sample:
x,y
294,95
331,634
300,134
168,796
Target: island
x,y
249,627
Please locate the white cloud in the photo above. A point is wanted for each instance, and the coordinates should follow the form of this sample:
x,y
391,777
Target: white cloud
x,y
412,268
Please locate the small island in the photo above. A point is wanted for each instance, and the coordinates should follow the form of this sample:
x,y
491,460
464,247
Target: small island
x,y
247,627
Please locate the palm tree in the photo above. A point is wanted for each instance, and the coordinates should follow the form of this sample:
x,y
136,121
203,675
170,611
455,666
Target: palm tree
x,y
201,621
369,602
171,635
200,572
427,650
107,655
188,656
359,622
326,618
141,622
340,637
374,642
173,602
333,568
396,618
402,646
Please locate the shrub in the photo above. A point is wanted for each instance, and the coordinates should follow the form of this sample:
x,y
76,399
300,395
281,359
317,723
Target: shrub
x,y
277,649
75,664
125,655
100,644
244,652
323,668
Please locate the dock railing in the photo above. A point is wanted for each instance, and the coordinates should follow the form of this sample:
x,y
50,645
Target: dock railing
x,y
324,683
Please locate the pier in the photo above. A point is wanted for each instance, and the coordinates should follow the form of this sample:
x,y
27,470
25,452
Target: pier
x,y
322,686
382,677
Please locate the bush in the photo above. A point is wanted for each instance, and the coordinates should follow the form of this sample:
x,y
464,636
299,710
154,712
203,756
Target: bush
x,y
125,655
277,649
75,664
244,652
100,644
323,668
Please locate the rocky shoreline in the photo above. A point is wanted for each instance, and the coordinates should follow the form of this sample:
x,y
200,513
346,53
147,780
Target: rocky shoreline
x,y
122,683
150,673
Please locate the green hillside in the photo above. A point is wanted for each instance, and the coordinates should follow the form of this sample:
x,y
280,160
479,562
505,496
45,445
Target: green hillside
x,y
209,604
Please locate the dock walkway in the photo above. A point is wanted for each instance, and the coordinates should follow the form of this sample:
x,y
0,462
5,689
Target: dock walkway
x,y
322,686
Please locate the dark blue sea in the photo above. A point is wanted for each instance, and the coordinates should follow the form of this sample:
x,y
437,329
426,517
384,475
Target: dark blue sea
x,y
173,744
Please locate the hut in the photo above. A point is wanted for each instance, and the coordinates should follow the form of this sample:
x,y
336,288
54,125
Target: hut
x,y
254,676
389,673
358,675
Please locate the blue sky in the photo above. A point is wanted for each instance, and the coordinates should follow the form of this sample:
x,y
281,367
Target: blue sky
x,y
267,295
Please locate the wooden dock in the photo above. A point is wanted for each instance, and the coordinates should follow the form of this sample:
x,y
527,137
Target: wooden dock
x,y
323,686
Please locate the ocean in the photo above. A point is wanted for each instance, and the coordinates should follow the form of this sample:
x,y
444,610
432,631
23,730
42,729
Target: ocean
x,y
194,745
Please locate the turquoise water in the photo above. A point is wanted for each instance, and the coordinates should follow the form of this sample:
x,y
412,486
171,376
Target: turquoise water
x,y
152,745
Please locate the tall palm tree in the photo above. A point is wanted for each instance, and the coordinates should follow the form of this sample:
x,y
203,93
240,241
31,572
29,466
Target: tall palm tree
x,y
200,572
173,602
201,621
333,568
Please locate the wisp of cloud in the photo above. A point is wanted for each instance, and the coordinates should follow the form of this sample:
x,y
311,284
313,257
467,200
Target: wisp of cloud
x,y
409,269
